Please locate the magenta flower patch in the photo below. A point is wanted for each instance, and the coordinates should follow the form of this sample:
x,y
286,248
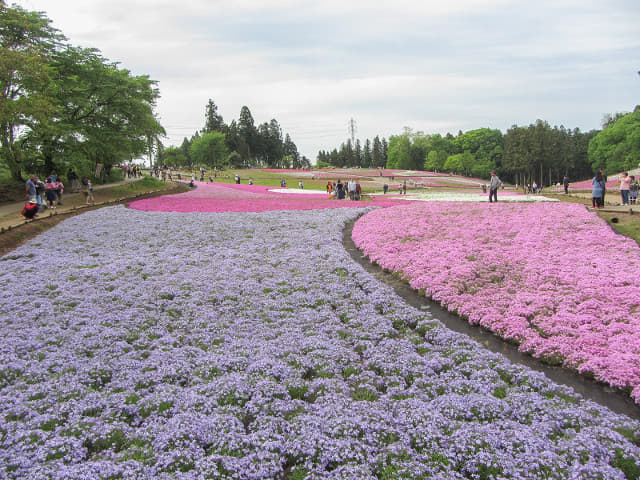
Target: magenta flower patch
x,y
552,277
228,197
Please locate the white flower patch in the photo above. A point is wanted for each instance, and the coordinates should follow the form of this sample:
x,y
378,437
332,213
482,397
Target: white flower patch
x,y
472,197
303,191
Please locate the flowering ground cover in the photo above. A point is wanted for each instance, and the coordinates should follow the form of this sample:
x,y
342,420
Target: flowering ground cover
x,y
157,345
231,197
613,183
552,277
377,176
462,195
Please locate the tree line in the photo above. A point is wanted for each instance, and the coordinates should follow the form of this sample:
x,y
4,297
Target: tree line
x,y
373,154
63,106
524,154
238,145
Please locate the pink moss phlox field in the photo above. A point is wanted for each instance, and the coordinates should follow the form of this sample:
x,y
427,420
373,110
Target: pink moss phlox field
x,y
231,197
553,278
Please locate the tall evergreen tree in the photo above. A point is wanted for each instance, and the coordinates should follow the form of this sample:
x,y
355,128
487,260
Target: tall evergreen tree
x,y
213,120
366,154
248,134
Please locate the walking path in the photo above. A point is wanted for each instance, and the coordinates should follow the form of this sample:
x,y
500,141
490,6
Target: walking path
x,y
11,216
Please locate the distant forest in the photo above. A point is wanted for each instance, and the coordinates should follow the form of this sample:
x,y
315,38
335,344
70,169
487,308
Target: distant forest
x,y
238,145
537,152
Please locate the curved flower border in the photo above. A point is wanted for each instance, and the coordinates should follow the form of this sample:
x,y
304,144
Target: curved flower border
x,y
553,278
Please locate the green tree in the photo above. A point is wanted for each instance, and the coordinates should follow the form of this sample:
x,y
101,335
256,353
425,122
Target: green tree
x,y
357,154
174,156
210,149
617,147
248,135
432,162
454,163
26,41
290,149
101,110
367,158
213,120
399,152
378,155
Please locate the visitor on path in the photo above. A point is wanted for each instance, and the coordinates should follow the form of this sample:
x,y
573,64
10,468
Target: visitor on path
x,y
30,188
597,193
404,188
494,184
385,188
565,183
604,190
633,190
40,189
358,191
51,192
300,185
625,185
59,190
87,190
351,186
31,208
74,181
340,190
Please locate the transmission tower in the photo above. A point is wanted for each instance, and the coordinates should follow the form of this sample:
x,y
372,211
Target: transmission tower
x,y
352,131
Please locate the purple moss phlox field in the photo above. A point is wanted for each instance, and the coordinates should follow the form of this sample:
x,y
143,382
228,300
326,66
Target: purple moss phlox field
x,y
153,345
552,277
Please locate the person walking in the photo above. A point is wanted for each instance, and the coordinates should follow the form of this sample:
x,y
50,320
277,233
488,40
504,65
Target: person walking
x,y
625,185
597,193
565,183
633,190
494,184
87,190
59,190
30,188
51,190
351,186
604,189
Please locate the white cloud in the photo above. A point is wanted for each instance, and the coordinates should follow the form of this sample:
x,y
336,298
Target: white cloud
x,y
431,65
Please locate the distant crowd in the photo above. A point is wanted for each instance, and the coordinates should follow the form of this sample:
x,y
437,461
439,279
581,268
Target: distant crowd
x,y
340,191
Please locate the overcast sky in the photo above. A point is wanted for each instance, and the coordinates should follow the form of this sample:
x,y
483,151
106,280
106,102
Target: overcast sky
x,y
434,66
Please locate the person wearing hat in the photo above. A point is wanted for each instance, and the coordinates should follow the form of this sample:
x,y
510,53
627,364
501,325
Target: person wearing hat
x,y
493,187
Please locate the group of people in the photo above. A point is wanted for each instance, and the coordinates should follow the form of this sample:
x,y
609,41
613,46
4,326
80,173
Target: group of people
x,y
43,194
48,194
339,190
629,187
131,171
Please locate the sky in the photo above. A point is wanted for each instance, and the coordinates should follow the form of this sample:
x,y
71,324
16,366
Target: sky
x,y
432,66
